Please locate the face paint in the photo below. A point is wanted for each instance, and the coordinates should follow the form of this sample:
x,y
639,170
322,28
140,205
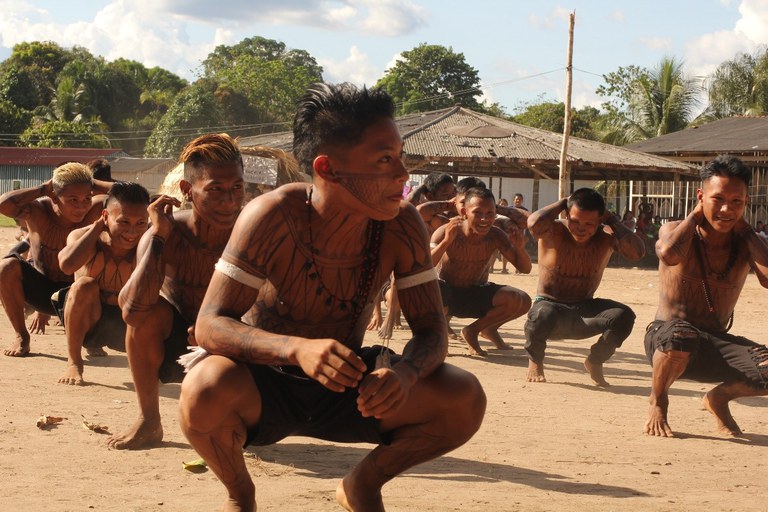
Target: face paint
x,y
377,192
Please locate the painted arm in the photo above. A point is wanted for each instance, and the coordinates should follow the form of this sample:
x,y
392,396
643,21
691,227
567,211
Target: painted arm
x,y
758,250
443,238
674,243
515,254
431,209
628,244
516,215
13,203
541,221
81,246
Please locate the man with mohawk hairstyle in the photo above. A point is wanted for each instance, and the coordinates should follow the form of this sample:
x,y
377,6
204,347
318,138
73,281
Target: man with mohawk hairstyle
x,y
285,315
175,261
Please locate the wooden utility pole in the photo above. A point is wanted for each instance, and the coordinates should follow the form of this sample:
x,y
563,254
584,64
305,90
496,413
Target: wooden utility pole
x,y
565,178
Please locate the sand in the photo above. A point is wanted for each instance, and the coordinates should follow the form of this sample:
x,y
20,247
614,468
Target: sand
x,y
561,445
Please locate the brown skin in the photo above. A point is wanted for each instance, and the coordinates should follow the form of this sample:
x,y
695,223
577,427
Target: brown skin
x,y
719,216
573,254
49,218
462,248
102,256
428,407
181,266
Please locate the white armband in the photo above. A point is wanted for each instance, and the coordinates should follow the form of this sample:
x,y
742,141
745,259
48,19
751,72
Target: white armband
x,y
432,245
238,274
426,276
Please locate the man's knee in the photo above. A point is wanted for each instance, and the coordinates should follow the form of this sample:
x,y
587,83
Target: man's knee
x,y
84,289
211,387
513,300
542,317
463,400
10,270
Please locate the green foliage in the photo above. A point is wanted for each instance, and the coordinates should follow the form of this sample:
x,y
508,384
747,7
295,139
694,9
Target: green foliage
x,y
549,115
193,113
647,103
431,77
739,86
63,134
271,77
12,120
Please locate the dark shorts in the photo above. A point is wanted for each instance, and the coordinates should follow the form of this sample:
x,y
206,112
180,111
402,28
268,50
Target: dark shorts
x,y
109,330
295,405
718,357
175,346
468,302
37,287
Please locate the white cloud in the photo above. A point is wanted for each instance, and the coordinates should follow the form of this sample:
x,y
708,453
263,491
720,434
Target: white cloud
x,y
392,17
705,53
549,21
657,43
618,16
356,68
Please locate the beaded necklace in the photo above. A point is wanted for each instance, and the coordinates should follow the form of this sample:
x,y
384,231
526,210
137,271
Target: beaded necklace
x,y
371,254
701,252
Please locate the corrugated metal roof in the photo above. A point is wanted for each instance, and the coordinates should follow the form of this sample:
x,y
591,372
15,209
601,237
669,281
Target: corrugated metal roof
x,y
54,156
734,135
525,153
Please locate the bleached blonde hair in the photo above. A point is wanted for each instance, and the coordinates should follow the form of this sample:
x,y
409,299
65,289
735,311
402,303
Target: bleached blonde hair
x,y
206,150
70,173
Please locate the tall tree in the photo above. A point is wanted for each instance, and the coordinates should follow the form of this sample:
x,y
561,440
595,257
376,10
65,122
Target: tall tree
x,y
194,112
739,86
648,103
63,134
550,115
431,77
265,72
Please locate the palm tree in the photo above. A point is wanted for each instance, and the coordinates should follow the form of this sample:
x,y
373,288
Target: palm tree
x,y
739,86
663,101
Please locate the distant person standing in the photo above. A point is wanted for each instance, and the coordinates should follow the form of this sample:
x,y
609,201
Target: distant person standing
x,y
517,202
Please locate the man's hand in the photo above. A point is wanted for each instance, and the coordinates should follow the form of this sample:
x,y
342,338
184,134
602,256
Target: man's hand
x,y
452,229
161,215
332,364
382,393
38,323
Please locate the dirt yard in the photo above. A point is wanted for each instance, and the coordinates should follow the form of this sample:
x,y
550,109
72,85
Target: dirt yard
x,y
563,445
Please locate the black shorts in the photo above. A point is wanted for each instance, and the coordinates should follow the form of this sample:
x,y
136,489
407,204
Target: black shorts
x,y
715,357
295,405
37,287
468,302
109,330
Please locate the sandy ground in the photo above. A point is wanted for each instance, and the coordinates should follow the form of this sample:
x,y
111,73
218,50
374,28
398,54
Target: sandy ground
x,y
560,445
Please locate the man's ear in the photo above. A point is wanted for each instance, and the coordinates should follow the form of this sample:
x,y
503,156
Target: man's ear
x,y
186,189
699,194
104,215
321,166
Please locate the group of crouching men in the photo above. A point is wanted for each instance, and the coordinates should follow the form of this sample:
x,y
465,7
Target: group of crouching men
x,y
266,305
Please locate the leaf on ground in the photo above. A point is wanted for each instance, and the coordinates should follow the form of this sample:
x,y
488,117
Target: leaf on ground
x,y
45,421
196,466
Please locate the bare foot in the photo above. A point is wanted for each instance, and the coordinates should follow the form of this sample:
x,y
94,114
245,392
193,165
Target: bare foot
x,y
232,505
715,403
596,372
472,342
73,376
536,372
96,352
494,337
452,334
357,501
141,434
20,348
657,422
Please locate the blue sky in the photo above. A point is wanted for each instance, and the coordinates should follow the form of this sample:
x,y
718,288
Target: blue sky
x,y
518,47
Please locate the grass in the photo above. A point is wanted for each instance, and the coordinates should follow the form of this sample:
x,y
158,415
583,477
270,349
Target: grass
x,y
6,222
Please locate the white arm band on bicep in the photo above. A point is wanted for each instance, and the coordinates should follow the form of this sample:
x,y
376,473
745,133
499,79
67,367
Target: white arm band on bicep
x,y
432,245
426,276
238,274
